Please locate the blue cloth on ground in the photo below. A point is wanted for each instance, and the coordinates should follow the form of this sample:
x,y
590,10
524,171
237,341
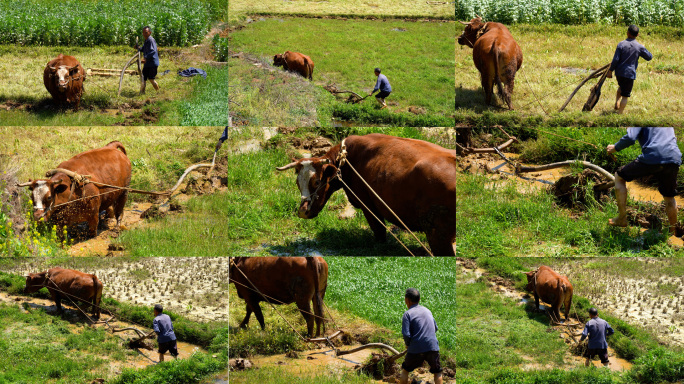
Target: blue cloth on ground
x,y
192,71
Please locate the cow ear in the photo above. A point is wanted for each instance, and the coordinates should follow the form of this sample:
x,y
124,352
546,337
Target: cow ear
x,y
61,187
329,171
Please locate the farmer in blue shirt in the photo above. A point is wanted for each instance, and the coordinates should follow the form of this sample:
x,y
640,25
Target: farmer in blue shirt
x,y
596,329
150,58
164,329
418,328
384,86
625,63
660,157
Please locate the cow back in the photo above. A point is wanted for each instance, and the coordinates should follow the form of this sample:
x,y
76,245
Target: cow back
x,y
281,278
74,284
551,286
414,177
495,36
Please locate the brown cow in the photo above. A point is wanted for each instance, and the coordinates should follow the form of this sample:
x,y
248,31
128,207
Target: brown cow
x,y
496,55
63,77
69,285
284,280
415,178
551,287
108,165
295,62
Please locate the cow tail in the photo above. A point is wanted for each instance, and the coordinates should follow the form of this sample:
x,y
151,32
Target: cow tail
x,y
97,286
309,69
117,145
497,75
318,301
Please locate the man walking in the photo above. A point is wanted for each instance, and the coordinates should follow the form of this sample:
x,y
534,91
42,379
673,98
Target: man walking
x,y
418,328
625,63
660,157
596,329
384,86
164,329
150,59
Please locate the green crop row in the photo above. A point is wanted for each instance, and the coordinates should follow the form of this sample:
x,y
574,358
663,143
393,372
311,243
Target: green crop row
x,y
103,22
641,12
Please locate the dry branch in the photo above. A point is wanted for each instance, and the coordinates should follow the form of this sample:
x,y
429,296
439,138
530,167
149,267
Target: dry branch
x,y
596,73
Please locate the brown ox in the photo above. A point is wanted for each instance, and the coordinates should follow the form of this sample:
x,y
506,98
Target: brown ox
x,y
283,280
295,62
496,55
63,200
69,285
63,78
552,288
416,179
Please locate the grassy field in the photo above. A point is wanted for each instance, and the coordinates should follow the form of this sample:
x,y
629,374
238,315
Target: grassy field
x,y
40,347
557,58
425,84
220,224
509,219
239,9
180,101
496,331
365,296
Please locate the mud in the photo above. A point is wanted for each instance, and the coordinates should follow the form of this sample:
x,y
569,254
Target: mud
x,y
568,330
141,359
193,287
581,190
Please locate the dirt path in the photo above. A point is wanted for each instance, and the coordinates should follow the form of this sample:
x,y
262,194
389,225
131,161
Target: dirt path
x,y
143,357
569,331
193,287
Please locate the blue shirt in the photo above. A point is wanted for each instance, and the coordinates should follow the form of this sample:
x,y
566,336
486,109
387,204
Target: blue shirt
x,y
382,84
658,145
418,328
626,58
597,329
149,50
164,329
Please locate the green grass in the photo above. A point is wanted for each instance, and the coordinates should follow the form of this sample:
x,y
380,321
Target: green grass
x,y
209,103
180,101
82,23
277,375
239,9
506,222
256,216
425,83
373,288
542,84
653,362
641,12
192,370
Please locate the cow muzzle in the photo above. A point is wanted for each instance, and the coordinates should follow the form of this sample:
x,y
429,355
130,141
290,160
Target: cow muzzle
x,y
304,211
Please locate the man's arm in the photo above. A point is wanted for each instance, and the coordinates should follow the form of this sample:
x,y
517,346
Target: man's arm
x,y
585,333
627,140
616,60
406,329
609,330
155,326
645,54
377,86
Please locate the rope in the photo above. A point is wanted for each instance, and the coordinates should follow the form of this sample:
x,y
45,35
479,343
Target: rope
x,y
262,295
343,160
533,94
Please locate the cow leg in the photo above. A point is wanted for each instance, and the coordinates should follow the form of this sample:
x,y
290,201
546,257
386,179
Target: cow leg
x,y
244,322
93,222
536,301
567,304
487,81
259,316
440,243
305,310
119,207
378,228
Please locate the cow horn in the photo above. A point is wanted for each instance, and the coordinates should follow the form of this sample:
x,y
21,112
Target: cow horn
x,y
291,165
24,184
464,23
55,171
52,68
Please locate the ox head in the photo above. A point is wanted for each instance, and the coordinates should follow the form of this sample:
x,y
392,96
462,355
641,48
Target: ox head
x,y
47,193
531,281
278,60
316,179
35,281
471,32
62,75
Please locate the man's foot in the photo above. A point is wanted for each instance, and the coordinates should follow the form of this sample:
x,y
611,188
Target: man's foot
x,y
618,222
384,106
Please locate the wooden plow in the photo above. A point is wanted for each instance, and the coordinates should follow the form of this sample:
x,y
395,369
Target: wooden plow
x,y
138,342
108,72
353,98
595,93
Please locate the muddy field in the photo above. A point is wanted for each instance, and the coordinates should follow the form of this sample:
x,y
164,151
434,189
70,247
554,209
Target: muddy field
x,y
193,287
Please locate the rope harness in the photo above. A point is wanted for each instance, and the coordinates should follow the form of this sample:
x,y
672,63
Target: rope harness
x,y
342,160
269,300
